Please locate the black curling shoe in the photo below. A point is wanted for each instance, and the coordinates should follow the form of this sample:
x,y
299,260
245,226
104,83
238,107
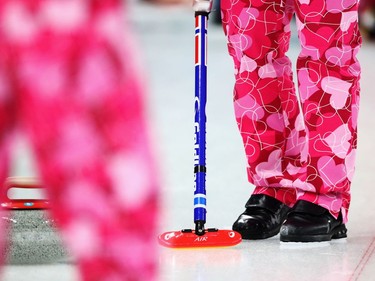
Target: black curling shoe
x,y
262,218
308,222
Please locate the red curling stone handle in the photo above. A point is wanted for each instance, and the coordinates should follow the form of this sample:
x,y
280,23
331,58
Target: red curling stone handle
x,y
22,204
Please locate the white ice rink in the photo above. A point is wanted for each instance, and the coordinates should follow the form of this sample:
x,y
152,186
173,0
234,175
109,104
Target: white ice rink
x,y
166,40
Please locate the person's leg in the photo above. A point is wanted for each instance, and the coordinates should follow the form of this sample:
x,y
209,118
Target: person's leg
x,y
8,113
266,106
82,106
328,75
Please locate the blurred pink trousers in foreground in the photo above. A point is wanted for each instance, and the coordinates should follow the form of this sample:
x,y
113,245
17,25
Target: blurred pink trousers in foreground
x,y
68,79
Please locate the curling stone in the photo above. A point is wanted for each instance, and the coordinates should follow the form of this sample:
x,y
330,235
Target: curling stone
x,y
32,234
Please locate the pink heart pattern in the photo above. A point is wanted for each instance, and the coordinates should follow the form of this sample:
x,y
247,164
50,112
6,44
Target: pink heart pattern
x,y
298,147
68,74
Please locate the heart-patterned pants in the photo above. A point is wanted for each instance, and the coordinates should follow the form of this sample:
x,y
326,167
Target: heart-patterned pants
x,y
298,146
69,79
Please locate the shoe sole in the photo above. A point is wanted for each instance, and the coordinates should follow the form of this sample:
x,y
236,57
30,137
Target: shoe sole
x,y
246,235
337,233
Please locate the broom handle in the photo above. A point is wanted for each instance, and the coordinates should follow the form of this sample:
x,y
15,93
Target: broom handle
x,y
202,9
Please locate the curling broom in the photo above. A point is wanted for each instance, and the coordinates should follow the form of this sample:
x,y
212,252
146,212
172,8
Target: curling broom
x,y
200,236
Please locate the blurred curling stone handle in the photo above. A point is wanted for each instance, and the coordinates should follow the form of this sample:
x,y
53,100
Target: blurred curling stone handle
x,y
32,234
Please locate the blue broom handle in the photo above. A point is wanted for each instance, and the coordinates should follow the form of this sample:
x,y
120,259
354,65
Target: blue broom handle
x,y
201,21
